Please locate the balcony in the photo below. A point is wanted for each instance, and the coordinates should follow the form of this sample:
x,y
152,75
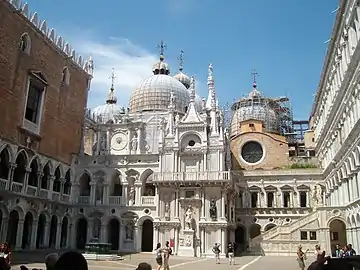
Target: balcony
x,y
148,200
115,200
223,176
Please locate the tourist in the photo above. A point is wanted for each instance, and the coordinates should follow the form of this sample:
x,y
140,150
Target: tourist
x,y
216,250
144,266
158,258
71,260
351,251
6,254
231,250
338,251
167,252
50,261
318,252
3,264
301,257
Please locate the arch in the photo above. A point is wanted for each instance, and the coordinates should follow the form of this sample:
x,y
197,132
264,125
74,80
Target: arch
x,y
142,219
40,236
35,158
84,184
5,160
337,228
85,171
147,186
81,233
331,219
34,168
9,150
57,180
60,170
25,43
67,184
46,215
19,210
64,231
190,132
53,230
65,79
351,161
105,220
12,230
240,238
22,152
269,226
145,175
255,230
27,230
50,166
147,236
113,228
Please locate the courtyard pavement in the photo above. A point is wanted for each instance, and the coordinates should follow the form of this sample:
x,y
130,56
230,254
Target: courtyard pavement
x,y
130,262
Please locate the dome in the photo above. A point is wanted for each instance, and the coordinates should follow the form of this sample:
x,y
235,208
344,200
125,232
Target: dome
x,y
105,113
154,94
183,78
255,106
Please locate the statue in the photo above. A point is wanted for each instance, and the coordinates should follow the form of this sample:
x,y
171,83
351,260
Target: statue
x,y
96,228
134,142
213,210
167,210
132,195
319,193
188,218
129,231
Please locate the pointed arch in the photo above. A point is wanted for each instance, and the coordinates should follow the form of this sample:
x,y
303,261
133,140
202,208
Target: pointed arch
x,y
50,166
60,168
25,43
35,158
22,152
10,152
144,177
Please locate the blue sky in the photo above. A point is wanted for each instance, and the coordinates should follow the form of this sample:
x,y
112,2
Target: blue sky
x,y
282,39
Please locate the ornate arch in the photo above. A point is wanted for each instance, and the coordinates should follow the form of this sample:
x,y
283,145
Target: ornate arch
x,y
106,219
61,169
7,147
19,210
37,159
46,215
142,219
145,174
331,219
22,151
33,213
191,132
76,218
85,171
50,164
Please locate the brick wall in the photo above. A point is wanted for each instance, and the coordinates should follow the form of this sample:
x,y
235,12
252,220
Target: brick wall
x,y
63,114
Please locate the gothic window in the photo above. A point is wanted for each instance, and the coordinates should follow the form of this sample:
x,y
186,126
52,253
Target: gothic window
x,y
252,152
33,103
65,79
25,43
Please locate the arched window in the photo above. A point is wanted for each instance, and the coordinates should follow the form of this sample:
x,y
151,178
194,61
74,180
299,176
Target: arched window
x,y
25,43
65,79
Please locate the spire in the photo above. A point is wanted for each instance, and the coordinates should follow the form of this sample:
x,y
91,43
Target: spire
x,y
161,48
111,99
192,89
211,102
254,74
181,59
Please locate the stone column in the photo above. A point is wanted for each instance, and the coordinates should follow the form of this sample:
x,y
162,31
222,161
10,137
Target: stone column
x,y
10,175
33,238
138,193
4,228
203,213
92,193
103,236
158,205
223,195
223,241
46,234
19,234
58,235
176,240
40,175
51,186
26,180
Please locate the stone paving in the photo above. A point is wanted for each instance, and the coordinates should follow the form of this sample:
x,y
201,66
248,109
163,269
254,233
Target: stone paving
x,y
130,262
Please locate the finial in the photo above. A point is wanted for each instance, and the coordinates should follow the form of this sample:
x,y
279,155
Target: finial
x,y
161,48
254,74
181,59
112,77
211,69
192,88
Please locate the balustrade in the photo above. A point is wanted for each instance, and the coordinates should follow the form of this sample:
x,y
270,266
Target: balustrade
x,y
192,176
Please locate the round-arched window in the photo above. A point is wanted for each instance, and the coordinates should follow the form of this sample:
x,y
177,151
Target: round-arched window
x,y
252,152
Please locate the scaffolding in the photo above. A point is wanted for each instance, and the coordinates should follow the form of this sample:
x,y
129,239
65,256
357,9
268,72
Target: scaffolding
x,y
275,113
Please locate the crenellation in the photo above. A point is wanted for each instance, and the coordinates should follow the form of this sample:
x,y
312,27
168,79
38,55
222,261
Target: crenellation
x,y
58,41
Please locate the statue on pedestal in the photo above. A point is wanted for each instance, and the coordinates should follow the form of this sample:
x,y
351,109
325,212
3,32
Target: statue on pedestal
x,y
317,194
213,210
131,195
167,211
188,218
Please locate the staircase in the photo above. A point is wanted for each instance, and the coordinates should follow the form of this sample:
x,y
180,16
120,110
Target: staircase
x,y
284,239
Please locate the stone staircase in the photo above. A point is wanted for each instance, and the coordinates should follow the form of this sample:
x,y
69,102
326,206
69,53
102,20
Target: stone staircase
x,y
284,239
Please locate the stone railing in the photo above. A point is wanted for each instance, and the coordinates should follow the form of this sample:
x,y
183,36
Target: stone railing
x,y
147,200
115,200
192,176
2,184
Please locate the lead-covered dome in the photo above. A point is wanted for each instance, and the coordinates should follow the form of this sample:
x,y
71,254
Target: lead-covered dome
x,y
154,94
255,106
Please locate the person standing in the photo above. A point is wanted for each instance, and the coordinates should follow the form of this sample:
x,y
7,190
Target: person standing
x,y
231,253
167,251
338,251
351,251
158,256
216,250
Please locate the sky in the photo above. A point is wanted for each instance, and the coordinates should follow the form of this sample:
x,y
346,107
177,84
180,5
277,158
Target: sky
x,y
282,39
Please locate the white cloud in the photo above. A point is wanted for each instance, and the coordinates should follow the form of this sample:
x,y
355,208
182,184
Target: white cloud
x,y
130,62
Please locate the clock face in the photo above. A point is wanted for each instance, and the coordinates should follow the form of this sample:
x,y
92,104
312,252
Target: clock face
x,y
119,141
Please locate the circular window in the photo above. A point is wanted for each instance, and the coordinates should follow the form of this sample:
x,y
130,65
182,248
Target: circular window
x,y
191,143
252,152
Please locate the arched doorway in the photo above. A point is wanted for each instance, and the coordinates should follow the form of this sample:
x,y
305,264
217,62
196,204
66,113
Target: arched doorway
x,y
40,231
81,233
53,231
28,223
64,232
12,228
114,233
255,230
337,233
269,226
147,236
240,239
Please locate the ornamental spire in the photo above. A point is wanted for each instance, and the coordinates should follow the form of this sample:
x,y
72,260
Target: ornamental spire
x,y
161,48
111,99
181,59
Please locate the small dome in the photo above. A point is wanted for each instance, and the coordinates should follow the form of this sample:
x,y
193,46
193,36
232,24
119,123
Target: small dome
x,y
161,67
106,113
154,94
183,78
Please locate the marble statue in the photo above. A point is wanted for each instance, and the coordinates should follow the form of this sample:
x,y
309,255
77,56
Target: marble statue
x,y
134,142
319,193
313,194
167,210
96,229
129,231
131,195
213,210
188,218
